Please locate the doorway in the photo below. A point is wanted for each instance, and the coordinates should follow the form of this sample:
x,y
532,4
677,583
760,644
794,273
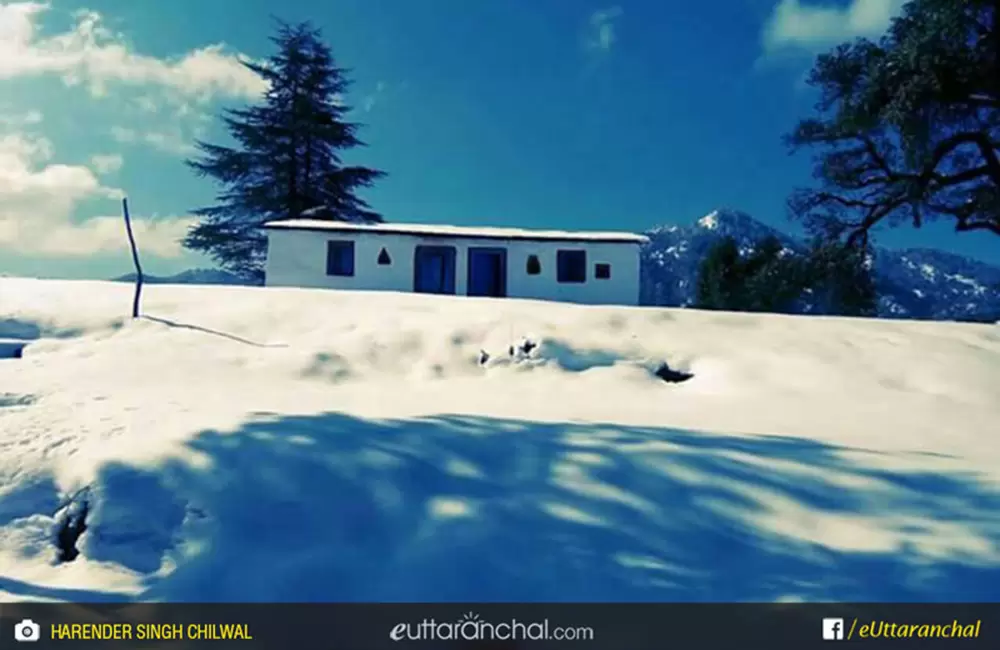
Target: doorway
x,y
434,269
488,272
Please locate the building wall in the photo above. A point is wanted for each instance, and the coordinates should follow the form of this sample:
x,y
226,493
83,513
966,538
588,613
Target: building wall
x,y
297,258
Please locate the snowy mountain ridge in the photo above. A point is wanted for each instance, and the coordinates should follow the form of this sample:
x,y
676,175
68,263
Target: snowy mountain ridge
x,y
190,276
913,283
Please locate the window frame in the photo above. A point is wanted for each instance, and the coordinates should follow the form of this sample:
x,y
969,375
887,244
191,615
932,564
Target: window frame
x,y
343,251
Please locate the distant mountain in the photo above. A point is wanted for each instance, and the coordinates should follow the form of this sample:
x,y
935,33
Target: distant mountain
x,y
932,284
914,283
191,276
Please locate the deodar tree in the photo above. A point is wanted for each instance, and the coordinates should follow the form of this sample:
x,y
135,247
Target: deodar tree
x,y
908,128
286,162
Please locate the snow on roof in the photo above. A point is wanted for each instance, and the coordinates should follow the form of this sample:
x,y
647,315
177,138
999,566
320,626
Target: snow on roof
x,y
436,230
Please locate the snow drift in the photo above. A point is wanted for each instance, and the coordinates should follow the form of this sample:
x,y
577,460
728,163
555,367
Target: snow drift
x,y
258,444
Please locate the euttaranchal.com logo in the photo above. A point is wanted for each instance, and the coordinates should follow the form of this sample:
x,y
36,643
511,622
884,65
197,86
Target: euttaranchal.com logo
x,y
471,628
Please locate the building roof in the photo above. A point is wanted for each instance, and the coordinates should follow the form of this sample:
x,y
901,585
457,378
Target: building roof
x,y
463,232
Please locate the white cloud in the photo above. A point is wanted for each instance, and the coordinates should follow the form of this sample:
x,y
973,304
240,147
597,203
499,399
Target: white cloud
x,y
169,142
146,104
91,54
815,27
601,32
106,163
173,140
372,98
20,120
97,235
124,135
40,198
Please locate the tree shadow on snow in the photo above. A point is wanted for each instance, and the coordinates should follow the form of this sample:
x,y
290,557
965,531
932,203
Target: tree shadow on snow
x,y
335,508
15,328
26,590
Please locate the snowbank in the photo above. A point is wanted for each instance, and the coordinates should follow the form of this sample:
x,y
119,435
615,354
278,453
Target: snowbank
x,y
293,445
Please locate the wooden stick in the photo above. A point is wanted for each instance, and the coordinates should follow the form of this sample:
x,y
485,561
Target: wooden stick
x,y
135,259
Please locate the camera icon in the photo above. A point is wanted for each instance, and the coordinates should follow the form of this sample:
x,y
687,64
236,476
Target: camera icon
x,y
27,631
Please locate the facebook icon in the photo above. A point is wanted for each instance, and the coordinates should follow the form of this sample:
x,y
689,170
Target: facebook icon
x,y
833,629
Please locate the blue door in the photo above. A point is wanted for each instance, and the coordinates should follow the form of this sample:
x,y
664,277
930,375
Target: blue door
x,y
488,272
434,269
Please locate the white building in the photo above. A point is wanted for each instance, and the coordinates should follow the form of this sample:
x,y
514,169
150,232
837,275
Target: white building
x,y
581,267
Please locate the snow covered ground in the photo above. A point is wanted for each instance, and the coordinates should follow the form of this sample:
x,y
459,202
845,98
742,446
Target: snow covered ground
x,y
251,444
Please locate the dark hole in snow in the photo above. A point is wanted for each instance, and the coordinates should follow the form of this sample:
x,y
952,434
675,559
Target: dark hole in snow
x,y
12,348
71,526
668,374
484,357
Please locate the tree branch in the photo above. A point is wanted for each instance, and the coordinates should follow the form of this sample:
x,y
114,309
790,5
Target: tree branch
x,y
964,225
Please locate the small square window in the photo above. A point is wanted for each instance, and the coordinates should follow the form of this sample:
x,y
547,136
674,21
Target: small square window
x,y
340,258
602,271
534,266
571,266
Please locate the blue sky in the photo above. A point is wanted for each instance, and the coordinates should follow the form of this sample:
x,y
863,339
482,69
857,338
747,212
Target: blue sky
x,y
530,113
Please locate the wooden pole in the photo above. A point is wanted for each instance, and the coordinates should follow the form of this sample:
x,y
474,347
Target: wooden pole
x,y
135,259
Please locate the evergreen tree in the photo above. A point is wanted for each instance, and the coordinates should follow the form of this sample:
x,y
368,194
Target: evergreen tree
x,y
719,276
287,160
774,281
841,280
908,128
832,278
765,280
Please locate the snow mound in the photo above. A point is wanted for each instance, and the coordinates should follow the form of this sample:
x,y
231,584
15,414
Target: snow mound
x,y
565,356
258,444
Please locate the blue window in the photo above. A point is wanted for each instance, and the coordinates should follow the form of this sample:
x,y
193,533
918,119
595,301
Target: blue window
x,y
571,266
340,258
602,271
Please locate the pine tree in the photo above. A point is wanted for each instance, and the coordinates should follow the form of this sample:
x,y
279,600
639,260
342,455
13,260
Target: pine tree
x,y
287,163
833,278
773,280
841,279
719,276
766,280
